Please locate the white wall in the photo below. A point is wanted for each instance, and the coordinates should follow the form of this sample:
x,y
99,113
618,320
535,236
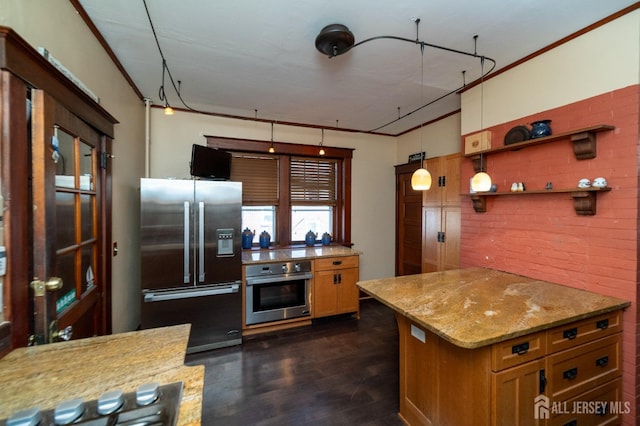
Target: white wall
x,y
597,62
55,25
438,139
373,175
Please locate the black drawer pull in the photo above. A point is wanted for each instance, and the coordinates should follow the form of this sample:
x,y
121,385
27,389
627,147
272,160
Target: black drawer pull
x,y
571,423
570,334
603,324
520,349
602,362
570,374
542,381
337,262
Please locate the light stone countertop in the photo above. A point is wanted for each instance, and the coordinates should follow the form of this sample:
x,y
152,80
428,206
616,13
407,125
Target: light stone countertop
x,y
476,307
296,253
46,375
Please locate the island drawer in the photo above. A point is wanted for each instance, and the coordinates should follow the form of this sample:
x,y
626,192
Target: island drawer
x,y
599,406
517,351
331,263
576,333
577,370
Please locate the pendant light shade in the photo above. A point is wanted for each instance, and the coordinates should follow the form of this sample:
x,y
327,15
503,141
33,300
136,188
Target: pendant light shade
x,y
421,180
480,182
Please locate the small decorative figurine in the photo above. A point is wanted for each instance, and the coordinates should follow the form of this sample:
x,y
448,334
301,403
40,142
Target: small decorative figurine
x,y
326,239
265,239
599,182
247,238
584,183
310,238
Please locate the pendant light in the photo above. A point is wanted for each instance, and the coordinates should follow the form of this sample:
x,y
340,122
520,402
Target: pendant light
x,y
271,148
321,152
421,178
481,181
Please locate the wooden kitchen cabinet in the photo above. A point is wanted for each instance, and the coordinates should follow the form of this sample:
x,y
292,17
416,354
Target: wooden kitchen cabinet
x,y
441,215
428,222
513,392
440,238
441,383
334,286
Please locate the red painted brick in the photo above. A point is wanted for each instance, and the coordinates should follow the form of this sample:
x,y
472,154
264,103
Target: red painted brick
x,y
541,236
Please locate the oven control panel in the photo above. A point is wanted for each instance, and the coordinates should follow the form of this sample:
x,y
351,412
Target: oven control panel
x,y
284,268
150,404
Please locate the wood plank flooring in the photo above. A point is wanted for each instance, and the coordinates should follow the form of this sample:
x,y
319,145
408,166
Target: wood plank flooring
x,y
338,371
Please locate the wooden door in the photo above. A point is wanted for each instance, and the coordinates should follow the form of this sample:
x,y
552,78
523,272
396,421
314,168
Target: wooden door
x,y
432,225
433,196
513,395
68,220
346,290
450,239
324,293
452,189
408,223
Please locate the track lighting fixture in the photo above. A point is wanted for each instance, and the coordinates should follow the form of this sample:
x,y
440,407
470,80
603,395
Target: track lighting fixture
x,y
336,39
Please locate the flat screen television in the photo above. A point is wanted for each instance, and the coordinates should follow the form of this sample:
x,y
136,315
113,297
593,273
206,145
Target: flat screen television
x,y
210,163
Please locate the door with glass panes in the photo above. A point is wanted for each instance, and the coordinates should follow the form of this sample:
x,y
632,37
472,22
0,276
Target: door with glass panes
x,y
67,264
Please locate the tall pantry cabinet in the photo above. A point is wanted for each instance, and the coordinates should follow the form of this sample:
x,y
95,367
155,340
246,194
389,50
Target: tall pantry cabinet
x,y
437,222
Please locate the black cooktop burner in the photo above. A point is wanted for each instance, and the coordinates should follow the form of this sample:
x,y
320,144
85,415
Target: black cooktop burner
x,y
150,405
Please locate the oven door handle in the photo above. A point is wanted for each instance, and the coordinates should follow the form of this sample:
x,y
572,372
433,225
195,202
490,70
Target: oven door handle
x,y
278,278
191,293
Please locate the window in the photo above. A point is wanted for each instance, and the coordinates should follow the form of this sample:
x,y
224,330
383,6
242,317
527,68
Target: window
x,y
293,191
313,196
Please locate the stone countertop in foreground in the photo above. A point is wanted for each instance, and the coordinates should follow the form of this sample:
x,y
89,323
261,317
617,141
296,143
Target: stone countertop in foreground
x,y
43,376
477,307
296,253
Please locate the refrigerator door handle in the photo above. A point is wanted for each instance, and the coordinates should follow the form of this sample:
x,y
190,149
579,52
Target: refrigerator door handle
x,y
201,277
191,293
186,244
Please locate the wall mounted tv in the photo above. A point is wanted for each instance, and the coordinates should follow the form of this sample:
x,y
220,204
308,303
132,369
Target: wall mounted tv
x,y
210,163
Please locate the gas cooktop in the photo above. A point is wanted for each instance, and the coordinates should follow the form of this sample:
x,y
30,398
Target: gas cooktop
x,y
150,405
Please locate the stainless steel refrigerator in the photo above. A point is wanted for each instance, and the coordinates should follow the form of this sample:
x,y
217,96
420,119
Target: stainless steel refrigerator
x,y
191,269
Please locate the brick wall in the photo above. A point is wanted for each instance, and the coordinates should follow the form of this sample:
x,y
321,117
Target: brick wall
x,y
541,236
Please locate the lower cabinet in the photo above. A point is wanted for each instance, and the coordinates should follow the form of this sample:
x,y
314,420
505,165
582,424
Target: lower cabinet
x,y
334,286
537,379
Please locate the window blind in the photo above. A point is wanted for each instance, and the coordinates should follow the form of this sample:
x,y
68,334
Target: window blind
x,y
313,181
259,177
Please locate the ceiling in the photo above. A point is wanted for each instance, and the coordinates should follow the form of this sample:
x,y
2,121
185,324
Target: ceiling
x,y
257,59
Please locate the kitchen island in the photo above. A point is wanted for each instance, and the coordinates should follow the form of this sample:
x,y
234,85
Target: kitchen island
x,y
478,346
43,376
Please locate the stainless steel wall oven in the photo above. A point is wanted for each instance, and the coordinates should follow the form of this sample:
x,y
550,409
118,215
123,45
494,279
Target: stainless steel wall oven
x,y
277,291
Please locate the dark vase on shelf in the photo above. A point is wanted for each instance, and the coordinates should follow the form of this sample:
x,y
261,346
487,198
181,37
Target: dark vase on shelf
x,y
540,129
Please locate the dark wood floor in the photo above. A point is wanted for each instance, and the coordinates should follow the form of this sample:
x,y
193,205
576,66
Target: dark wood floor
x,y
338,371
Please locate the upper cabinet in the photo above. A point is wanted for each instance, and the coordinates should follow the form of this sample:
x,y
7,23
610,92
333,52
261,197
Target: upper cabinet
x,y
445,181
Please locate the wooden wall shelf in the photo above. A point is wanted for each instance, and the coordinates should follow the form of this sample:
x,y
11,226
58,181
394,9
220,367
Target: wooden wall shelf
x,y
584,144
584,200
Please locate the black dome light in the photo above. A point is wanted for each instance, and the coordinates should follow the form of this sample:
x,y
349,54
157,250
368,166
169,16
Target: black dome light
x,y
334,40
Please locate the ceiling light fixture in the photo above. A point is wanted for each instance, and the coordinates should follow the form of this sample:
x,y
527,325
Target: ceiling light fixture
x,y
421,178
271,148
321,152
481,181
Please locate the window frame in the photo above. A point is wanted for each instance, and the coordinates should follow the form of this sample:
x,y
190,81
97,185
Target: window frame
x,y
342,214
